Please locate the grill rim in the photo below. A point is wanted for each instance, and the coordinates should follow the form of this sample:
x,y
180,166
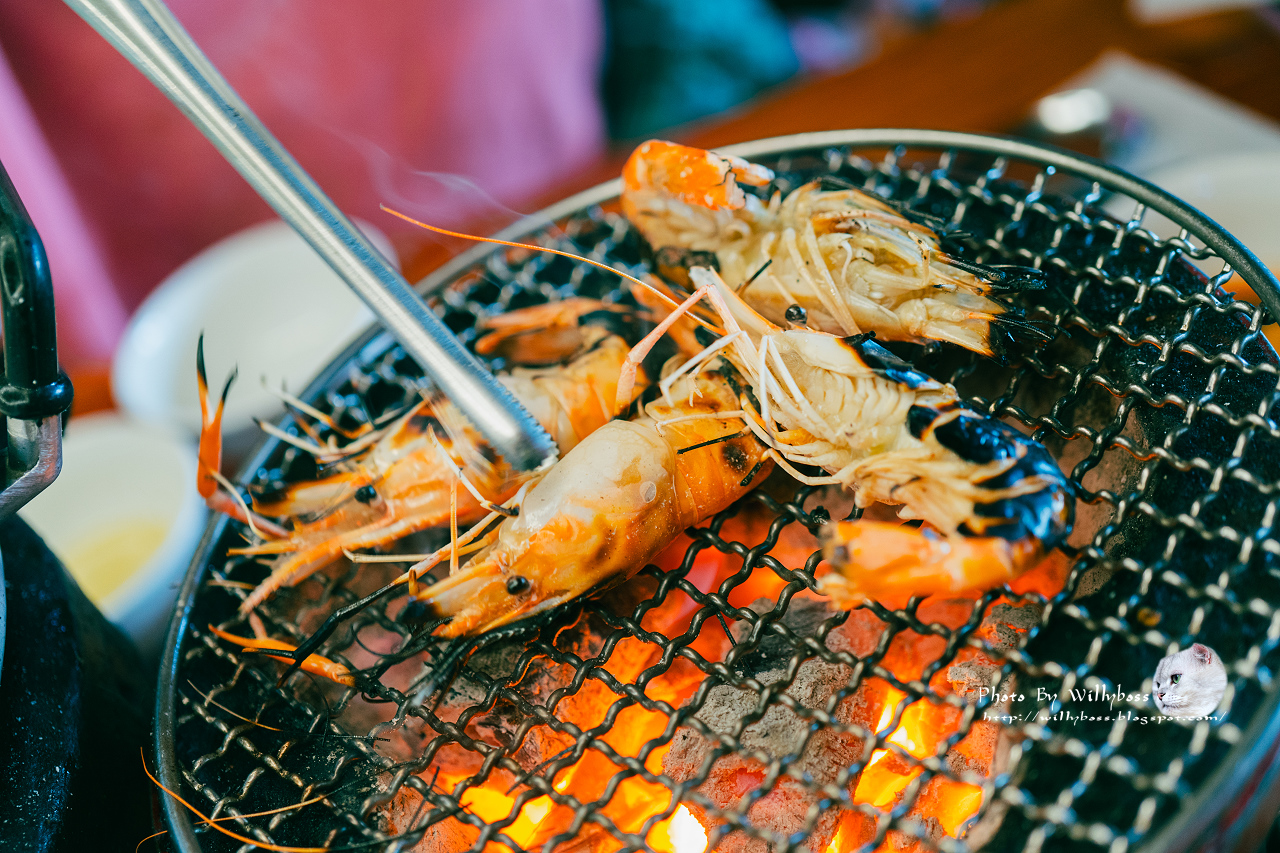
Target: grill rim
x,y
1251,769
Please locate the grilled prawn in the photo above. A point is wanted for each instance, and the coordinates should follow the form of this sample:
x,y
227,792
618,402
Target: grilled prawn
x,y
404,477
842,259
605,509
890,434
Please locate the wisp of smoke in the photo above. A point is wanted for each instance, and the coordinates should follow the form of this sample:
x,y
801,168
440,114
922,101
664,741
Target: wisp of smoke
x,y
424,194
447,199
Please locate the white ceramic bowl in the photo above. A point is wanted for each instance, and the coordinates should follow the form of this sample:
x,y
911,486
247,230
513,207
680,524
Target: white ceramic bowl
x,y
124,517
266,304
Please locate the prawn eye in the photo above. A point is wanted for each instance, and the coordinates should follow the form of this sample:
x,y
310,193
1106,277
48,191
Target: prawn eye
x,y
366,494
517,584
797,314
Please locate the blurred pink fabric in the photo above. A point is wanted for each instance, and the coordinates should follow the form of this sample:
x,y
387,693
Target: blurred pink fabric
x,y
89,311
443,109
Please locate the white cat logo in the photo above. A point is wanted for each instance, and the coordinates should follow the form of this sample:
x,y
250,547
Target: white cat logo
x,y
1190,683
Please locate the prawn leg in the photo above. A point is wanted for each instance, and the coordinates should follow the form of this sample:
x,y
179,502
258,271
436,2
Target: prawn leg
x,y
284,652
627,378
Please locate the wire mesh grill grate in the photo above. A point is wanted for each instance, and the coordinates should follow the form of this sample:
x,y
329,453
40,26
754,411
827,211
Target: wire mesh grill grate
x,y
1157,396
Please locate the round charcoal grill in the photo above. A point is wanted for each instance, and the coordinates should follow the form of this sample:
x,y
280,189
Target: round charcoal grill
x,y
1156,395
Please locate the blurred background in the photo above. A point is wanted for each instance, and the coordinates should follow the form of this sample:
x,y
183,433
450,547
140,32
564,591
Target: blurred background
x,y
469,115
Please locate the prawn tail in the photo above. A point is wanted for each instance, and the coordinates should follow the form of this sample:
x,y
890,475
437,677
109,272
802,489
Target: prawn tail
x,y
212,486
1010,335
210,458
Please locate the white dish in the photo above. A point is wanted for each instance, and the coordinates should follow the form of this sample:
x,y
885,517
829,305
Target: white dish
x,y
124,517
1241,192
267,305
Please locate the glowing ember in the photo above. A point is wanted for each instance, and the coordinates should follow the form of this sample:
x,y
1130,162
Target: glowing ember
x,y
958,802
492,805
684,833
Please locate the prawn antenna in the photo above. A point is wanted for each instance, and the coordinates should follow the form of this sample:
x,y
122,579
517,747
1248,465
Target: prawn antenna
x,y
536,248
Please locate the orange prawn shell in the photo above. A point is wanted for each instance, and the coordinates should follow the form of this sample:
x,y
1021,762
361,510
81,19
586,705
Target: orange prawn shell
x,y
585,391
882,560
691,175
604,511
414,491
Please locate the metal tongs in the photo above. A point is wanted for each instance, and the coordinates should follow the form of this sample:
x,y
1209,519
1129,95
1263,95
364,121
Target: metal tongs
x,y
148,35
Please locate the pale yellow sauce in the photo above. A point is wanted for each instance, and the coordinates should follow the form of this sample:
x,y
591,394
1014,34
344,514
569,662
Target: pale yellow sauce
x,y
105,558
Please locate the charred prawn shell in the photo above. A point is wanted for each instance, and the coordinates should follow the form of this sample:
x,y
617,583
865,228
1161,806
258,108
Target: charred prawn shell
x,y
1042,513
994,499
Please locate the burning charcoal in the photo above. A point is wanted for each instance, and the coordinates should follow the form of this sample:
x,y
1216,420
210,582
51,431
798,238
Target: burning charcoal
x,y
1005,626
407,810
974,754
858,636
500,725
804,616
931,832
1001,636
781,734
969,678
1002,628
944,805
783,810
